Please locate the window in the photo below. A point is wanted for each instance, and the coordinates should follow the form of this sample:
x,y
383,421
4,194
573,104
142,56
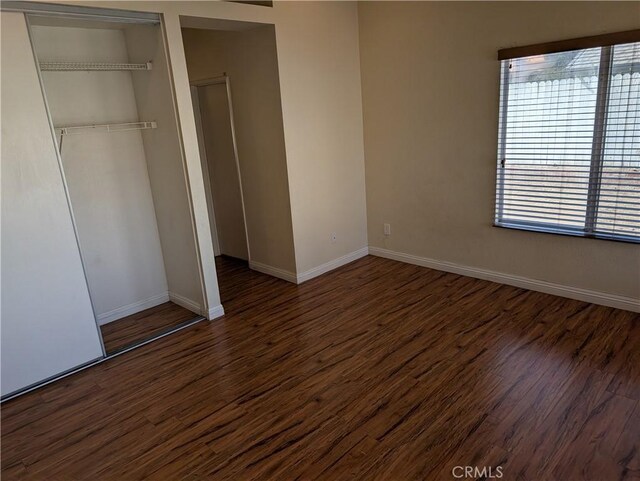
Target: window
x,y
569,140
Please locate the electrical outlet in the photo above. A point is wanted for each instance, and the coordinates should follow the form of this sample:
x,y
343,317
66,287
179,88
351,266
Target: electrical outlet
x,y
333,237
387,229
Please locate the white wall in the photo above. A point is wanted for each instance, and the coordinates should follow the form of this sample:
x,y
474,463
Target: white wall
x,y
46,317
430,85
165,162
106,173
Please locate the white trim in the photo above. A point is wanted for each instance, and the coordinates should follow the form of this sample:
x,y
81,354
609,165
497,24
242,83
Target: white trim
x,y
331,265
186,303
273,271
215,312
123,311
602,298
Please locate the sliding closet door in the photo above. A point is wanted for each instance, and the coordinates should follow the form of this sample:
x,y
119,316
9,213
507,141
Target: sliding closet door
x,y
48,325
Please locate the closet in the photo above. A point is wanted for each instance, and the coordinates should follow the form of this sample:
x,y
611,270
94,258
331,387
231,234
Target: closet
x,y
113,122
98,240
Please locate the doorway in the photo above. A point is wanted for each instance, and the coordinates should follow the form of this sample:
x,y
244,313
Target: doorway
x,y
213,110
235,86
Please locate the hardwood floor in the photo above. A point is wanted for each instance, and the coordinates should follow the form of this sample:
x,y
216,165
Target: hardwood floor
x,y
142,325
376,371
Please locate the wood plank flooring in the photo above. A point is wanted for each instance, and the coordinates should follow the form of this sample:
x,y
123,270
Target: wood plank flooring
x,y
376,371
142,325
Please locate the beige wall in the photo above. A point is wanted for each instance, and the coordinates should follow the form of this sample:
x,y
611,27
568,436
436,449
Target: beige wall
x,y
322,110
249,58
430,95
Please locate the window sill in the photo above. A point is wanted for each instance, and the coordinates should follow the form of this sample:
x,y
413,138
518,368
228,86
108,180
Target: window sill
x,y
565,232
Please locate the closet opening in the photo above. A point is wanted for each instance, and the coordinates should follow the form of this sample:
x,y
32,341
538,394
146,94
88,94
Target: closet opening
x,y
110,100
213,110
235,89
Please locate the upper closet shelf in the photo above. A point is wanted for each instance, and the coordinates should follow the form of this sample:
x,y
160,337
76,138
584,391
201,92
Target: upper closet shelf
x,y
88,66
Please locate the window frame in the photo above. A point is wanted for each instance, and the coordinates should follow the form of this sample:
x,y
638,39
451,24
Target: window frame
x,y
605,43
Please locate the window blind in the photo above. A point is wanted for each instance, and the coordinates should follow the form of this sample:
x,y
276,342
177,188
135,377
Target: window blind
x,y
569,143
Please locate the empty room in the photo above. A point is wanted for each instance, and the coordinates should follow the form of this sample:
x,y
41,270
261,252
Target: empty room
x,y
320,240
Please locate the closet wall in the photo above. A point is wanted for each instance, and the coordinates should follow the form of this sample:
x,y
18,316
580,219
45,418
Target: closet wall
x,y
106,173
47,321
171,197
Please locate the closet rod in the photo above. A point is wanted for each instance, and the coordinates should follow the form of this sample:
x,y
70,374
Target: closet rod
x,y
90,66
121,127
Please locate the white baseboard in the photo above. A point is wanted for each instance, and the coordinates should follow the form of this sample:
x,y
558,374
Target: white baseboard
x,y
212,313
124,311
215,312
334,264
610,300
187,303
273,271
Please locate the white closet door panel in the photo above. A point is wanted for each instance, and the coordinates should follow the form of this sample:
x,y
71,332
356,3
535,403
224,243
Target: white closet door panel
x,y
47,321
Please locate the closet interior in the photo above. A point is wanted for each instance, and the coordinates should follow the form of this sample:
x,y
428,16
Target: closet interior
x,y
110,101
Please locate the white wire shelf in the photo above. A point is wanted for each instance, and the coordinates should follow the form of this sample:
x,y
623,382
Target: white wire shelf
x,y
89,66
106,128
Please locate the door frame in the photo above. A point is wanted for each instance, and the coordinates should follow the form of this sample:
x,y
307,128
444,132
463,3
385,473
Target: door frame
x,y
204,160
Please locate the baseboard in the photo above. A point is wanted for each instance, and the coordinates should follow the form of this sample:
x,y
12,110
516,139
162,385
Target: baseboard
x,y
610,300
331,265
215,312
124,311
211,313
187,303
273,271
